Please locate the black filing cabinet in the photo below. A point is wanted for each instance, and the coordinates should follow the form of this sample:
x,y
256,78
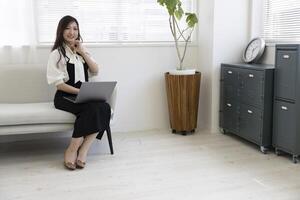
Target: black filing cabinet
x,y
286,122
246,99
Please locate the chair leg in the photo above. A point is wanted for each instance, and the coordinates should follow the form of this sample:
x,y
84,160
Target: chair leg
x,y
109,140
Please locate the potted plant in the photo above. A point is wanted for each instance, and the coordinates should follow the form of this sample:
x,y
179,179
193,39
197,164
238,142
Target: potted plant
x,y
182,85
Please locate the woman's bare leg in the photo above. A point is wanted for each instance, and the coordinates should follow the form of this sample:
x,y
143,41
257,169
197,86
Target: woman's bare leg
x,y
85,146
71,151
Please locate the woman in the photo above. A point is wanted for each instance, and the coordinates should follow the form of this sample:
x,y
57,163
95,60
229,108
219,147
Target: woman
x,y
69,65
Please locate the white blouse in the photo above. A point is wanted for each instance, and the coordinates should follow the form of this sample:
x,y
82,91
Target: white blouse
x,y
57,72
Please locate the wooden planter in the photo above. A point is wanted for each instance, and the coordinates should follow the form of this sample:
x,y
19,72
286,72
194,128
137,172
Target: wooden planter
x,y
183,99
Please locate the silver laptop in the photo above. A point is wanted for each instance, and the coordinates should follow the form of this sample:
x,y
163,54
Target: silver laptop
x,y
93,91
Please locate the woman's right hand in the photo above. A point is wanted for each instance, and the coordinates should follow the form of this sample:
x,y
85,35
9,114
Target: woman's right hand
x,y
67,88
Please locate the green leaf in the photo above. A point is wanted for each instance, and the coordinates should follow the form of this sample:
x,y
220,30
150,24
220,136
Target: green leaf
x,y
171,5
191,19
178,13
161,2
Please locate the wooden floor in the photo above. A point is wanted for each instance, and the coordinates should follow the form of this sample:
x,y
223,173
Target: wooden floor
x,y
154,165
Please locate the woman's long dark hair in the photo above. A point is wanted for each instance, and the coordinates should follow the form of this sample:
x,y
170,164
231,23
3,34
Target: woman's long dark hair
x,y
59,41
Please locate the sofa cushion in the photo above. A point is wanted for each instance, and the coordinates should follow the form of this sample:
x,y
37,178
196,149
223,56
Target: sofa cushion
x,y
33,113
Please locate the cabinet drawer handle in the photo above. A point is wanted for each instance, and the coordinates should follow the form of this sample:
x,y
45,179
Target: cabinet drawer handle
x,y
229,72
284,108
286,56
228,104
251,75
249,111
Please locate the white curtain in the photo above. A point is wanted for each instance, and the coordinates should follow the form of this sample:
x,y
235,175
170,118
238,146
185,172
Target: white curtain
x,y
17,34
17,23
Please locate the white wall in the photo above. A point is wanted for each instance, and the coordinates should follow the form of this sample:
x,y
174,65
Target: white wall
x,y
141,101
269,55
205,59
224,32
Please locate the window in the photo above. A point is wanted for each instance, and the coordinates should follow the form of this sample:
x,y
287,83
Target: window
x,y
281,20
107,20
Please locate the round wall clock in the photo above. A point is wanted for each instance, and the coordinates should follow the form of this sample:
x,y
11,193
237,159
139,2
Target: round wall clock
x,y
254,50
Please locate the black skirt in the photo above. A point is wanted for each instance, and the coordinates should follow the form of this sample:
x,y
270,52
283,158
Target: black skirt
x,y
91,117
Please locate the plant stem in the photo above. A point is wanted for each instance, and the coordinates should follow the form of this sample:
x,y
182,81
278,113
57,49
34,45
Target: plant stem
x,y
170,23
185,47
183,32
178,28
176,41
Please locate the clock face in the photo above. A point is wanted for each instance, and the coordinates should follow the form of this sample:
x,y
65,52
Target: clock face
x,y
254,50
